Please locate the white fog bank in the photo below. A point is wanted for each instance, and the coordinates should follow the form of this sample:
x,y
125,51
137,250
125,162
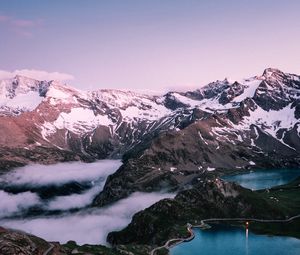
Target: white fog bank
x,y
85,226
89,226
40,175
58,174
13,203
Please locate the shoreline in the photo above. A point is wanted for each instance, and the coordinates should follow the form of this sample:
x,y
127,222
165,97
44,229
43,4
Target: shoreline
x,y
204,225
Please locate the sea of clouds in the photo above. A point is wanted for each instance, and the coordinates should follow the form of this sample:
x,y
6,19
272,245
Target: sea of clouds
x,y
58,174
88,225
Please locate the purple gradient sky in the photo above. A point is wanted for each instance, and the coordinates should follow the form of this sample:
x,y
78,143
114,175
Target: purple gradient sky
x,y
152,45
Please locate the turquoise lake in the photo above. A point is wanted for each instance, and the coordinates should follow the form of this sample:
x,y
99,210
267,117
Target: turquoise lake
x,y
264,178
227,240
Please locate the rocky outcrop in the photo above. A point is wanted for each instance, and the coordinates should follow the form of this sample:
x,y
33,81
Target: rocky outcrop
x,y
14,242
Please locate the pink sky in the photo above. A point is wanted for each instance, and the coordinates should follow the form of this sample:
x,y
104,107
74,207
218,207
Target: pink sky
x,y
150,45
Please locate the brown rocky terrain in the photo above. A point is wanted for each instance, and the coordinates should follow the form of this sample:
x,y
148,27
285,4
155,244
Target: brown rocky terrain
x,y
14,242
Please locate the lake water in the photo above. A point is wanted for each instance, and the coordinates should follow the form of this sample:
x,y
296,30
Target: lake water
x,y
226,240
264,178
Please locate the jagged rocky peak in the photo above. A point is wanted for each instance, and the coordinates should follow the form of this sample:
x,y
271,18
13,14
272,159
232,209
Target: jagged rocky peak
x,y
272,72
21,94
235,89
214,88
62,112
208,91
275,76
277,89
225,94
175,100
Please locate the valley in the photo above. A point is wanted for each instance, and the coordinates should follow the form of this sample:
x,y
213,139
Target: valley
x,y
104,162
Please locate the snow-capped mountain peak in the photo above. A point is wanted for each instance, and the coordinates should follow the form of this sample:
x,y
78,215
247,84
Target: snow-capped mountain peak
x,y
18,85
21,94
107,122
272,72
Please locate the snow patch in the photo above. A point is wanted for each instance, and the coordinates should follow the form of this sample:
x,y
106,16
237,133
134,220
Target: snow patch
x,y
81,120
250,86
269,121
47,129
211,169
172,169
201,137
24,102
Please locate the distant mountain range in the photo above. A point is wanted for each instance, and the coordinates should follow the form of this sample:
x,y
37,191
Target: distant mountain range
x,y
166,141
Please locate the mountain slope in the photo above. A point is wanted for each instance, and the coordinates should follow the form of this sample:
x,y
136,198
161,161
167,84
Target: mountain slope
x,y
251,129
166,141
89,125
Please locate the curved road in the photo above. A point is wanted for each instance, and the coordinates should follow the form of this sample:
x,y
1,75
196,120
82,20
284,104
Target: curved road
x,y
192,235
175,240
49,249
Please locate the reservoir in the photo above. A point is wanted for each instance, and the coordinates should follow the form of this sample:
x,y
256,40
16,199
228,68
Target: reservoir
x,y
227,240
263,179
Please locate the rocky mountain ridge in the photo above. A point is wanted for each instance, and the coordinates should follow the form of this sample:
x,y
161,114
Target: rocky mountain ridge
x,y
257,127
167,142
107,123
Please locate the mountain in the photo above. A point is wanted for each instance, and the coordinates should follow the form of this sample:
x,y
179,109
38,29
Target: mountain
x,y
230,127
39,118
167,142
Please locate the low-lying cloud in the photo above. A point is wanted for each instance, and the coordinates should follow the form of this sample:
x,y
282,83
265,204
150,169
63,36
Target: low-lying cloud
x,y
85,226
74,201
54,175
89,226
36,74
11,204
41,175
